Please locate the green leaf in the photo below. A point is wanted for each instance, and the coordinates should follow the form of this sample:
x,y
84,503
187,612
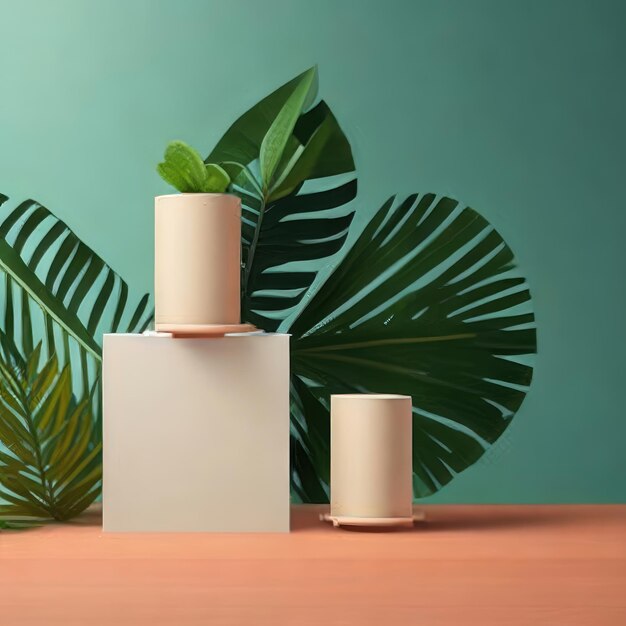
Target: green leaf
x,y
13,265
320,150
427,302
241,143
241,177
217,179
45,473
280,131
183,168
61,281
54,285
287,228
292,230
173,176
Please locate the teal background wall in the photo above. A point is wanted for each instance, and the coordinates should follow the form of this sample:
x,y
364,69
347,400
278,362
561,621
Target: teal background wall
x,y
515,108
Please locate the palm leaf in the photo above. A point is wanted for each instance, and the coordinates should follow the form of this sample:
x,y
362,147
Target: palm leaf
x,y
57,287
50,453
296,204
291,231
426,303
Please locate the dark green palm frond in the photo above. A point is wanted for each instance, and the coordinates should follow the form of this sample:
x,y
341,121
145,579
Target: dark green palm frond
x,y
293,222
293,231
50,454
56,289
427,302
50,273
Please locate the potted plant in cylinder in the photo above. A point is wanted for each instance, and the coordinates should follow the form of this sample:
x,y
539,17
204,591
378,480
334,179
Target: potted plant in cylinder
x,y
197,248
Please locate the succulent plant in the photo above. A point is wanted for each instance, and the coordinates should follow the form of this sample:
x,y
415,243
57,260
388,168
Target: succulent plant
x,y
184,169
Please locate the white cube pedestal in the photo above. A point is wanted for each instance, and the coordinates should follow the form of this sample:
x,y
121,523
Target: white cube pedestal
x,y
196,433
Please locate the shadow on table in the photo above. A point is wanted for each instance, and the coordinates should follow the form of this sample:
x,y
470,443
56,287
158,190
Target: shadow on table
x,y
477,518
461,518
439,518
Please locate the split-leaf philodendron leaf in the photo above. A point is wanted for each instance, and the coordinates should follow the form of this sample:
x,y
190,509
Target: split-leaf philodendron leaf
x,y
425,301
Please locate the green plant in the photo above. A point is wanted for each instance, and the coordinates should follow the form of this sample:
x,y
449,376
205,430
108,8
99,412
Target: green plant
x,y
57,289
184,169
426,300
285,223
57,299
50,461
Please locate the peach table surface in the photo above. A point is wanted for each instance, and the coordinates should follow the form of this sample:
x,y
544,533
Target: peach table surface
x,y
504,565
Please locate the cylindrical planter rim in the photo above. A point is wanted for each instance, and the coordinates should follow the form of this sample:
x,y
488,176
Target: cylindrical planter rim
x,y
195,193
370,396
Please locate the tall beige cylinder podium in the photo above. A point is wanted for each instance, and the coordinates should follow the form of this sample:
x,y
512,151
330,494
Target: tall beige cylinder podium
x,y
198,264
371,468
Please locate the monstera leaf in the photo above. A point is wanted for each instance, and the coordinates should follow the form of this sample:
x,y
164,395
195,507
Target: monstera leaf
x,y
50,453
294,170
426,303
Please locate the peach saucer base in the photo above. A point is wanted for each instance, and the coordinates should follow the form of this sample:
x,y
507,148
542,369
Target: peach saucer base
x,y
379,522
205,330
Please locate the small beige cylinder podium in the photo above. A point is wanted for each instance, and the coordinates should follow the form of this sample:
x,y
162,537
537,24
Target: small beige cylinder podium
x,y
197,268
371,468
